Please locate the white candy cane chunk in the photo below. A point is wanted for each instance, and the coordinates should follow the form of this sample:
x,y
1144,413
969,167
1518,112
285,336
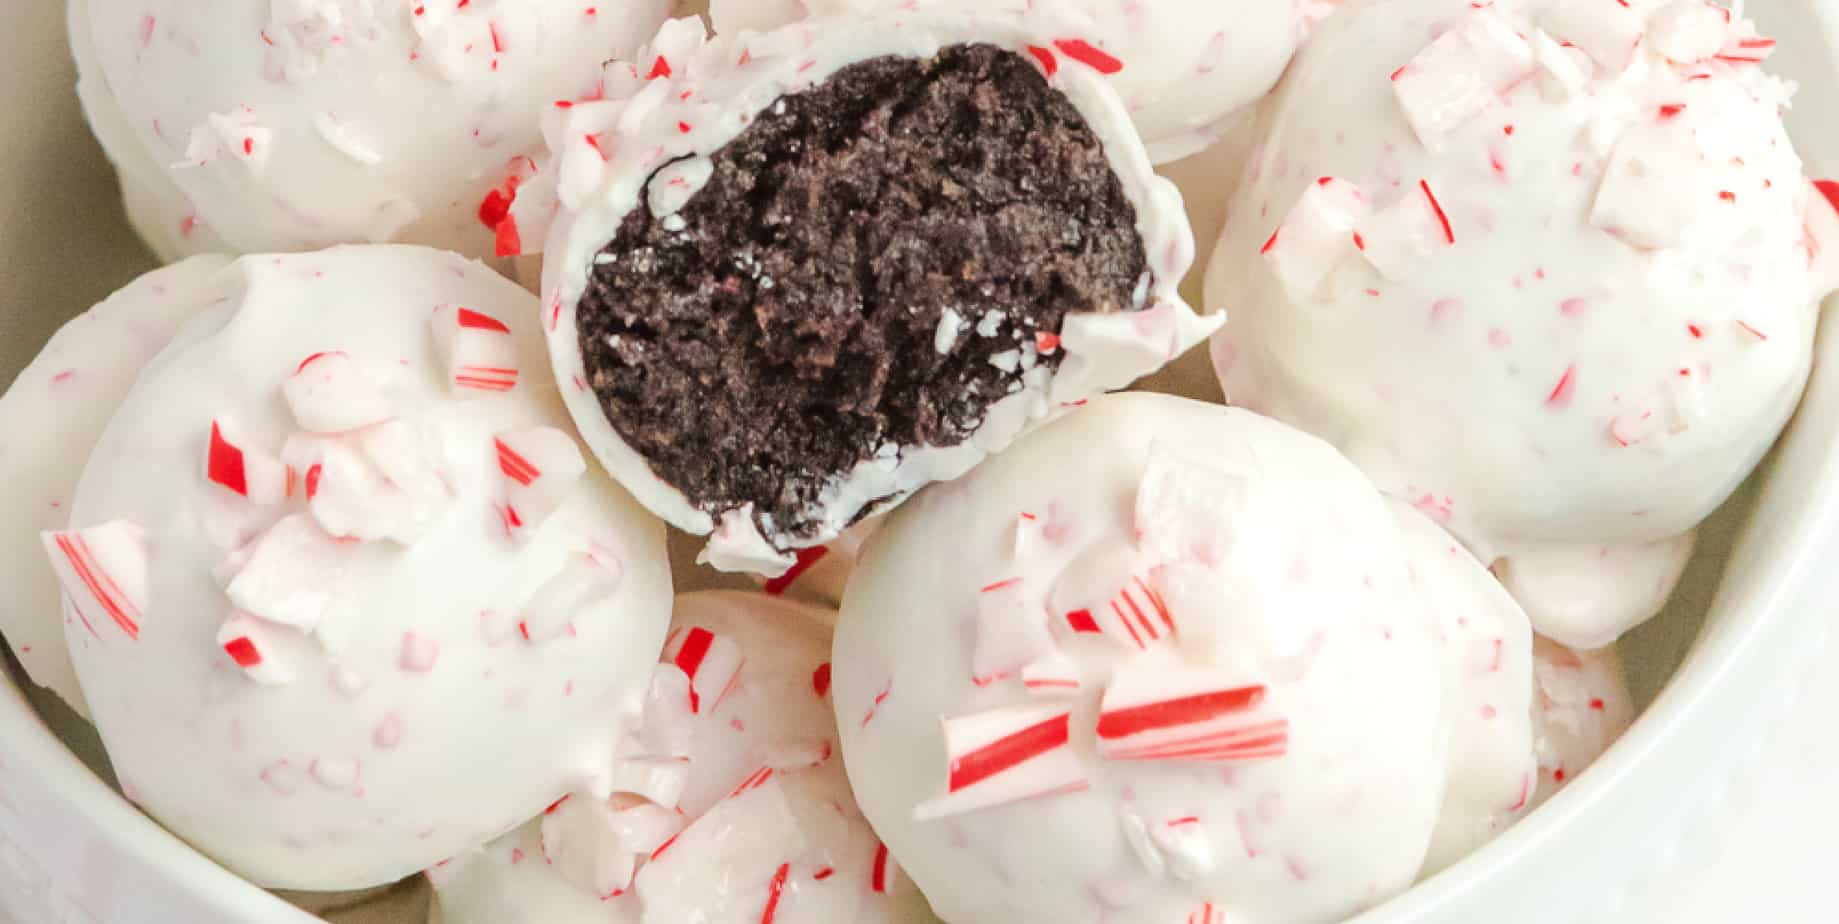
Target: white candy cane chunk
x,y
1460,74
1186,849
477,351
233,462
1564,70
1688,31
1011,630
540,467
350,499
414,473
293,576
753,834
1399,238
1186,715
661,780
1653,189
1103,594
711,661
586,848
256,647
667,727
329,393
103,570
1316,236
1607,31
1005,755
551,611
1052,674
1186,511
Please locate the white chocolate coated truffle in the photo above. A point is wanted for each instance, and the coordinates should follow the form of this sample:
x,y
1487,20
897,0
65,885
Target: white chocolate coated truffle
x,y
743,785
49,420
1581,705
1187,67
1488,664
343,605
1540,267
1161,661
287,125
687,97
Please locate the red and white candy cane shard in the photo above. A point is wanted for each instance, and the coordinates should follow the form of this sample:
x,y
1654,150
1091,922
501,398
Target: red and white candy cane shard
x,y
645,826
552,611
1460,74
330,393
478,352
284,581
1128,611
755,829
234,464
666,727
1005,755
1052,674
1011,629
754,780
583,844
712,662
255,647
1608,32
540,466
103,570
1199,716
1316,236
1184,845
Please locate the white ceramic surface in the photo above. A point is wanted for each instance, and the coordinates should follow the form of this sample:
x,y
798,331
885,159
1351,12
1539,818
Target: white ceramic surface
x,y
1636,839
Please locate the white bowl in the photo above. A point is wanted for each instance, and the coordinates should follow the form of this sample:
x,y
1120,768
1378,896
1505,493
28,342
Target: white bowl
x,y
72,850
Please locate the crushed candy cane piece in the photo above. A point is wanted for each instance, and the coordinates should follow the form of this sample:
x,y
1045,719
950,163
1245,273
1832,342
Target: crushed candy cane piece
x,y
233,462
1011,630
540,466
1403,235
754,830
661,780
1316,236
578,586
1005,755
1052,674
255,646
1652,190
478,351
329,393
1103,594
1606,30
1185,715
1185,511
1461,74
293,576
103,570
584,846
712,662
1688,31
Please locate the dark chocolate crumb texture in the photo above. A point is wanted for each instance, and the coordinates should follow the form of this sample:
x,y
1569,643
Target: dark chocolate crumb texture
x,y
873,263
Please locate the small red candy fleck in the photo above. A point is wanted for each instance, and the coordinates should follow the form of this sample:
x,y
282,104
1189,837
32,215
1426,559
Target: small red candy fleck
x,y
312,480
1045,342
478,321
820,679
659,68
242,651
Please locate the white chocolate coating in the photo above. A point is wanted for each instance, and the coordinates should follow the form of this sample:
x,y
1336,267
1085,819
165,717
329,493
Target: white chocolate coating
x,y
50,418
1190,67
1265,560
1553,295
321,713
1488,660
775,713
691,95
253,126
1581,705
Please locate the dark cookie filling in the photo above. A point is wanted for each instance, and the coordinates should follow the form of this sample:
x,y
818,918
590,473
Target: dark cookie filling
x,y
788,328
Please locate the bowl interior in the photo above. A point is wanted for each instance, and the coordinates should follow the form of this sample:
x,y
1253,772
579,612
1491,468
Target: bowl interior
x,y
68,245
